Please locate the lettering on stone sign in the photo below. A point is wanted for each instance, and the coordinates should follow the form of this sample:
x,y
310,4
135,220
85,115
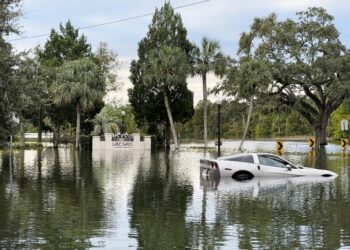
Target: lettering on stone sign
x,y
122,144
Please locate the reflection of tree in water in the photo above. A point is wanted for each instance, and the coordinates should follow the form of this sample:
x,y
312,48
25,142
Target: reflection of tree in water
x,y
207,234
321,158
50,210
290,216
158,206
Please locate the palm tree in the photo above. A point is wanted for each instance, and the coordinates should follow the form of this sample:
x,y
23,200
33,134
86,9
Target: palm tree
x,y
165,68
208,59
105,121
80,83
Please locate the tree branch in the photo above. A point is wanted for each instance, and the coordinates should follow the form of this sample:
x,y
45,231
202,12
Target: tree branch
x,y
313,97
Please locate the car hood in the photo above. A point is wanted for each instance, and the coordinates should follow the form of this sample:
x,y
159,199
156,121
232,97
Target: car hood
x,y
315,172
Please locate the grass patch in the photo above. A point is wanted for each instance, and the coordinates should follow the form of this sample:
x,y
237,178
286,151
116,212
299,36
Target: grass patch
x,y
28,145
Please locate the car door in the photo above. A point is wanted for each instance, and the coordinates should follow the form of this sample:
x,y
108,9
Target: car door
x,y
241,162
275,167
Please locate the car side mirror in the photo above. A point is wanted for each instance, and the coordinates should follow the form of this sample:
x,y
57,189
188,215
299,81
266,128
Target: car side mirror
x,y
289,168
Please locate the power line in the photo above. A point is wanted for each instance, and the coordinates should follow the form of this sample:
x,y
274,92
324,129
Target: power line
x,y
111,22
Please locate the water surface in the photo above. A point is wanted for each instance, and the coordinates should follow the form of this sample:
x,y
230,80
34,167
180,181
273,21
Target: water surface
x,y
125,199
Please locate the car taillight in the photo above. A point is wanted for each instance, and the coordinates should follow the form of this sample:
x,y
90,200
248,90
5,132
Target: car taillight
x,y
211,164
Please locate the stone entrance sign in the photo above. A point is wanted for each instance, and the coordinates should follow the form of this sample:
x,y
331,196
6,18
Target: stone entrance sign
x,y
111,141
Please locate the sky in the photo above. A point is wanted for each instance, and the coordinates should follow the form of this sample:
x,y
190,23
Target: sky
x,y
221,20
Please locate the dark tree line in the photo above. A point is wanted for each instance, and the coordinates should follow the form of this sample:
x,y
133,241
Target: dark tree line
x,y
266,121
9,13
59,86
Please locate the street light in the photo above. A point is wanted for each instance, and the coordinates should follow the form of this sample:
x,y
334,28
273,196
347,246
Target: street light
x,y
14,122
123,121
219,102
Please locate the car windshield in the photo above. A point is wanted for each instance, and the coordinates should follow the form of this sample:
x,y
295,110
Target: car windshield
x,y
273,161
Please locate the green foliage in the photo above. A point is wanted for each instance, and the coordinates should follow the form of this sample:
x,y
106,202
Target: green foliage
x,y
266,122
107,59
109,120
79,82
105,121
341,113
130,122
147,100
231,121
209,58
78,75
249,77
28,89
9,12
64,45
297,125
166,67
307,61
263,127
28,145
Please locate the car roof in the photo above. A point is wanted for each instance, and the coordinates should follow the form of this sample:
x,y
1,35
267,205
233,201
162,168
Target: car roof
x,y
234,155
245,154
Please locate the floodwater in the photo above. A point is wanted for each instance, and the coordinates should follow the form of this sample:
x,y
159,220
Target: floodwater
x,y
125,199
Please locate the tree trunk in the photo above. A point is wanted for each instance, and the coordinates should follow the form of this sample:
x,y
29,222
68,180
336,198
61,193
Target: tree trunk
x,y
76,168
321,131
167,136
250,110
39,159
243,124
56,135
77,131
40,125
205,110
170,116
22,130
321,158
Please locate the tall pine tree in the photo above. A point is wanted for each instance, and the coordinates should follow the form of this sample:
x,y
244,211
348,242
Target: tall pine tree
x,y
147,100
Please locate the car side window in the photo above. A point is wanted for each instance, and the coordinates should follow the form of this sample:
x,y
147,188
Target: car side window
x,y
242,158
272,161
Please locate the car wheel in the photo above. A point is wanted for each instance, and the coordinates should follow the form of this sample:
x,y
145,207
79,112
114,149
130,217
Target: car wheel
x,y
242,175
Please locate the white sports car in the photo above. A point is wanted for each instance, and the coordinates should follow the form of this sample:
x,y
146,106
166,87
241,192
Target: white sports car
x,y
247,165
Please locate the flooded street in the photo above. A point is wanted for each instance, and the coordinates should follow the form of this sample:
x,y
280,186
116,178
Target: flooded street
x,y
125,199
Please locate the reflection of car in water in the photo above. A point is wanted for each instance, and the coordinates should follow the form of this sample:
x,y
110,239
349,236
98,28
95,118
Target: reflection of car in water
x,y
248,165
262,185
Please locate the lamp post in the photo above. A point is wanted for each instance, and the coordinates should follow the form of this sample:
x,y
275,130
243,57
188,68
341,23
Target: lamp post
x,y
219,102
123,121
14,122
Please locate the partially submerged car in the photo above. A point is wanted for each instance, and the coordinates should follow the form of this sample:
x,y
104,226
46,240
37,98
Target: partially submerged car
x,y
248,165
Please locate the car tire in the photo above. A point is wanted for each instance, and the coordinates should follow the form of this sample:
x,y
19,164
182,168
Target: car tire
x,y
242,176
